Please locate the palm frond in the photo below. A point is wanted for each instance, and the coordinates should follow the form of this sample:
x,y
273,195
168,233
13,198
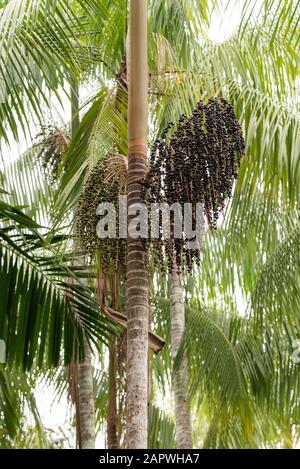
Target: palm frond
x,y
102,131
28,187
41,47
56,309
161,429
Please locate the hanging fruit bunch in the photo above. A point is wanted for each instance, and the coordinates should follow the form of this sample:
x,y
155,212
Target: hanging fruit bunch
x,y
195,163
52,142
106,181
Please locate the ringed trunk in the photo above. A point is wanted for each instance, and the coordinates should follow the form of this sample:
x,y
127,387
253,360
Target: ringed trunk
x,y
86,400
112,411
180,377
113,438
137,256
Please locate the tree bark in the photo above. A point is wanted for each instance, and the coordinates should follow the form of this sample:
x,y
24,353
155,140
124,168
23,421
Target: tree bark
x,y
112,411
86,400
113,438
137,256
180,378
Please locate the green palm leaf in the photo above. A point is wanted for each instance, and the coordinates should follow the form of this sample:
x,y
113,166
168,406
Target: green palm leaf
x,y
56,309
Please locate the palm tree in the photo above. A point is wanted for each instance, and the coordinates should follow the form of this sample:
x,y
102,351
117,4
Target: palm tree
x,y
137,303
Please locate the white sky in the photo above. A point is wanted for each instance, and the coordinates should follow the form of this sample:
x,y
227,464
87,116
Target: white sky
x,y
223,23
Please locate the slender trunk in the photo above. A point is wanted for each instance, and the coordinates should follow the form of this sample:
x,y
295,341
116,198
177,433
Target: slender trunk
x,y
113,439
112,411
149,357
180,378
137,258
85,410
86,400
72,371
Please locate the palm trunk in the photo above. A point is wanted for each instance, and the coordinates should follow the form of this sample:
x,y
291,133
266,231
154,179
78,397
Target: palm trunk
x,y
113,439
86,400
112,411
180,378
85,410
137,270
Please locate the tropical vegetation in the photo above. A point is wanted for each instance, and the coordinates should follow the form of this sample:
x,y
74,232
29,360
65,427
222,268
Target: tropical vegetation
x,y
63,311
